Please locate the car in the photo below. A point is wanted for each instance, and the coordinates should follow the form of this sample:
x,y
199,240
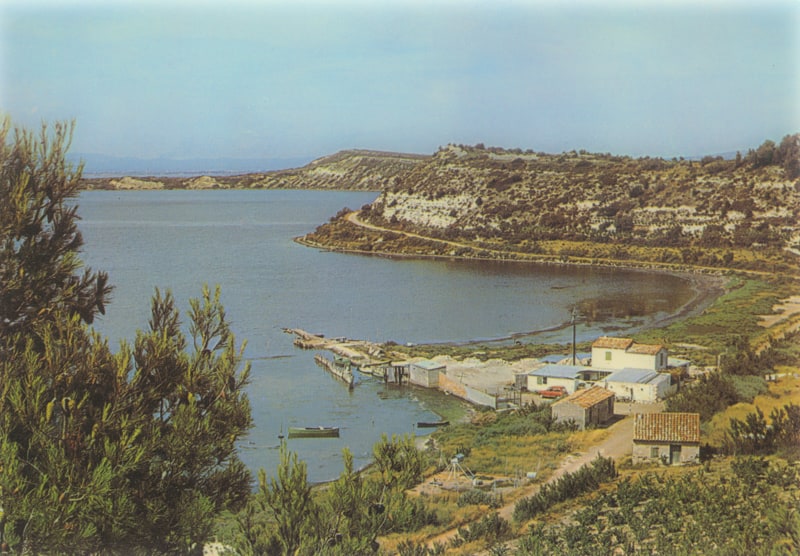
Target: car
x,y
553,392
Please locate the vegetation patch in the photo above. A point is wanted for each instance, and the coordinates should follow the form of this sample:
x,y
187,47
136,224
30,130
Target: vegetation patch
x,y
736,507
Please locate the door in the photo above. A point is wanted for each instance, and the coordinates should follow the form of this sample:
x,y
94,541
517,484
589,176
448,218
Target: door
x,y
674,454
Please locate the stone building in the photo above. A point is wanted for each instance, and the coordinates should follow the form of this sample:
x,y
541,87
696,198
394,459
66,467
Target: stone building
x,y
671,438
593,406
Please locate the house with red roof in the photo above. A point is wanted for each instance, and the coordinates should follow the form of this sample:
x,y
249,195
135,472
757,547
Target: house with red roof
x,y
624,353
671,438
592,406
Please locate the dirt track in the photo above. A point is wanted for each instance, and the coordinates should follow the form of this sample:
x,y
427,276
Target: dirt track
x,y
618,443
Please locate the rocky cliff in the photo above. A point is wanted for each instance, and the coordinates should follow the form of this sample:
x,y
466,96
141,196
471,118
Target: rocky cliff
x,y
523,197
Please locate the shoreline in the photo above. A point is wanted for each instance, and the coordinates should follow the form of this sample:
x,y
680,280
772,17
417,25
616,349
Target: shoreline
x,y
677,269
707,283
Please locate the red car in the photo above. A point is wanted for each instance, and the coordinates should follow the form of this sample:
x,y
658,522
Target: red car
x,y
553,392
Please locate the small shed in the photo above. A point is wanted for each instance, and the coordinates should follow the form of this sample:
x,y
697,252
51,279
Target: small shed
x,y
673,438
593,406
554,375
426,373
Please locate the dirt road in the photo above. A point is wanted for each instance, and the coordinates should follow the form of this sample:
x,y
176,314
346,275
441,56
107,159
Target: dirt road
x,y
617,444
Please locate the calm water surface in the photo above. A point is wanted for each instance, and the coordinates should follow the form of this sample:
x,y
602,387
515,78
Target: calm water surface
x,y
242,240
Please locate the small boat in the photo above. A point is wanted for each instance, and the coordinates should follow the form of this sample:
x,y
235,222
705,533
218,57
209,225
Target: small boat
x,y
313,432
432,424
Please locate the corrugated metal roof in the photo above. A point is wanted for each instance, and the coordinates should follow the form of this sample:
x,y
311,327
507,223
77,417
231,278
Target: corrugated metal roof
x,y
558,371
639,376
565,359
675,362
666,427
612,343
588,398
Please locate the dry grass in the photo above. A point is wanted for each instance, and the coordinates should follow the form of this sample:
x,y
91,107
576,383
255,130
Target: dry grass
x,y
784,391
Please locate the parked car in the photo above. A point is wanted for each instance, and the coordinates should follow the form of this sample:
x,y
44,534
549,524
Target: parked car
x,y
553,392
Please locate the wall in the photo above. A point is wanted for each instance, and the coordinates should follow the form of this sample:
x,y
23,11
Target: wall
x,y
596,415
480,397
429,378
655,390
621,359
564,411
570,384
447,384
642,453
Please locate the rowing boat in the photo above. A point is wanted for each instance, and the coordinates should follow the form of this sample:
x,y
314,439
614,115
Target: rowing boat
x,y
432,424
313,432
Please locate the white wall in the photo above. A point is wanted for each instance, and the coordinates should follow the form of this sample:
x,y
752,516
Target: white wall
x,y
620,359
570,384
656,389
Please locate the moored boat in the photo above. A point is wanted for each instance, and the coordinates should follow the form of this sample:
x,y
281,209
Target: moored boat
x,y
313,432
432,424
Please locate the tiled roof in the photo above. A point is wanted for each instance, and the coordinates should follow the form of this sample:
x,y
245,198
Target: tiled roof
x,y
666,427
645,349
588,398
612,343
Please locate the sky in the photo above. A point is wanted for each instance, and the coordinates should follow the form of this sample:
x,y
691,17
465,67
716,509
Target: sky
x,y
272,79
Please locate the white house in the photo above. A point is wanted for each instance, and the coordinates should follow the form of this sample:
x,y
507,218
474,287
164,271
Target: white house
x,y
639,385
624,353
555,375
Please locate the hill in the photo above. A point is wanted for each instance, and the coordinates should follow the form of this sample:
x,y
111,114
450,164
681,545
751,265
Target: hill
x,y
685,211
356,170
516,196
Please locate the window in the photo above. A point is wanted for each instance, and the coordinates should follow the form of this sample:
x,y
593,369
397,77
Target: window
x,y
541,380
608,356
654,452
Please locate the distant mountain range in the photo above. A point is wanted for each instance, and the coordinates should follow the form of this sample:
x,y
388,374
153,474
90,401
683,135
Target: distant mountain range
x,y
99,165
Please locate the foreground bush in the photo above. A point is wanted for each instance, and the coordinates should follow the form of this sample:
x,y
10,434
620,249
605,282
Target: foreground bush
x,y
753,511
99,451
587,478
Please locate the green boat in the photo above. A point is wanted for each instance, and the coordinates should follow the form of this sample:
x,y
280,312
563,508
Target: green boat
x,y
313,432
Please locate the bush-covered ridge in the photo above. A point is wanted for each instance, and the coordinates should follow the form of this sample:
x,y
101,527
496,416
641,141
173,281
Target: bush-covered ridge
x,y
523,197
356,170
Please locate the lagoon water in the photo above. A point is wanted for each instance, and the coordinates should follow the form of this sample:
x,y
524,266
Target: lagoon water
x,y
242,240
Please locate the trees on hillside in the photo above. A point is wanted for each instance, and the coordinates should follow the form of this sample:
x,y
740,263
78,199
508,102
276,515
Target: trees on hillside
x,y
344,518
103,451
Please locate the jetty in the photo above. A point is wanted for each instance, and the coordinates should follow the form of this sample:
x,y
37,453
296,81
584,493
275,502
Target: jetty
x,y
360,352
340,367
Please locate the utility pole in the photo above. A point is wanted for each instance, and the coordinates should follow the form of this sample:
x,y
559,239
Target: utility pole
x,y
574,314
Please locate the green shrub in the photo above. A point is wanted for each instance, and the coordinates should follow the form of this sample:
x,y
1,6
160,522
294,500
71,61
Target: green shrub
x,y
748,387
476,497
491,528
587,478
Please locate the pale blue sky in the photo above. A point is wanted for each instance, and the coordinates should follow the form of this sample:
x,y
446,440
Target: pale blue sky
x,y
304,79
